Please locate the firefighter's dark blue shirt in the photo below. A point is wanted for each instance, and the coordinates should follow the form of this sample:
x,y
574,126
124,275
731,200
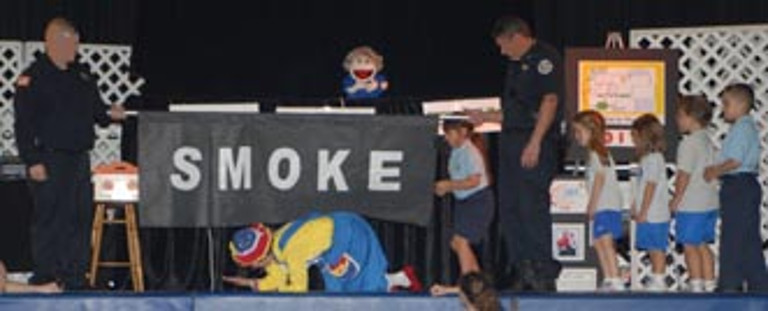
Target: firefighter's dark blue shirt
x,y
539,72
56,109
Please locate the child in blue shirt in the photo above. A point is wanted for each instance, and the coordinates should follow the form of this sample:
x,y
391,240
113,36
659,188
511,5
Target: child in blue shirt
x,y
473,209
741,253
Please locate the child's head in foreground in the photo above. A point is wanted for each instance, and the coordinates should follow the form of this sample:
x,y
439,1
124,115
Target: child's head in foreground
x,y
477,292
738,100
648,135
693,112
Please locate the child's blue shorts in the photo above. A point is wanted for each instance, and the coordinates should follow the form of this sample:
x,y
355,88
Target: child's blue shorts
x,y
607,222
695,228
652,236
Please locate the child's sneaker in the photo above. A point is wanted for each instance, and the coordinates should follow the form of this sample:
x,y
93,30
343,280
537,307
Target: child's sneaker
x,y
618,285
605,287
696,286
710,286
612,285
657,284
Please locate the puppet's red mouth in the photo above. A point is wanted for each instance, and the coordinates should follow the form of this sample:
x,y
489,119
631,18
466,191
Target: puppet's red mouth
x,y
362,74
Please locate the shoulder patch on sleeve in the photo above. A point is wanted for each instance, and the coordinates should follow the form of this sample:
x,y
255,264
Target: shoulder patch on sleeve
x,y
545,66
23,81
85,76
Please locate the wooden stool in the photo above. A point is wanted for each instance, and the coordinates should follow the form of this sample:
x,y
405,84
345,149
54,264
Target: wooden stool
x,y
116,185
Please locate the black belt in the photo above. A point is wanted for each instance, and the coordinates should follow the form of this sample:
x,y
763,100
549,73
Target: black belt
x,y
739,175
63,151
517,130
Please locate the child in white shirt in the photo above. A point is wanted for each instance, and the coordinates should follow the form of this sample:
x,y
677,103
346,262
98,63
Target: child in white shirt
x,y
650,208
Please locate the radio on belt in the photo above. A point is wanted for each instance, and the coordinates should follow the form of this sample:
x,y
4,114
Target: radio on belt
x,y
12,168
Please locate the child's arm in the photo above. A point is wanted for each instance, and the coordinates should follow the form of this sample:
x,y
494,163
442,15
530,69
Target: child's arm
x,y
478,117
681,184
463,184
597,189
715,171
445,186
472,165
650,189
687,155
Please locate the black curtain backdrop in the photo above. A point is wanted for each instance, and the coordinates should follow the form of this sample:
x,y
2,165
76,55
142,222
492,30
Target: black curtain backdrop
x,y
291,51
237,49
585,23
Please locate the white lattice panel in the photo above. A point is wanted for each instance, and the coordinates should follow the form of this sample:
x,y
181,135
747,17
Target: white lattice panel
x,y
111,64
10,64
712,58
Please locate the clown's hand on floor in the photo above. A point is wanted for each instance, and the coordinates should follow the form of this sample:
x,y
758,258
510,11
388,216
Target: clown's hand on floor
x,y
240,281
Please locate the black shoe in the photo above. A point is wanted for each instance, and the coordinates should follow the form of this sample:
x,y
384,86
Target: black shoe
x,y
41,279
546,273
526,276
543,285
512,281
722,290
81,287
77,284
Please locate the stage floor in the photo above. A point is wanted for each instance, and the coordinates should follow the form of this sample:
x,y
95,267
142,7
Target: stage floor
x,y
206,302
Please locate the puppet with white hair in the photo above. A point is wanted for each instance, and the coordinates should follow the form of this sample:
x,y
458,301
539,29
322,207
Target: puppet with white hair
x,y
364,80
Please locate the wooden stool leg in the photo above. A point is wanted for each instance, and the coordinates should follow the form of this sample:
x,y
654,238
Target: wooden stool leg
x,y
137,247
139,261
129,240
96,235
134,248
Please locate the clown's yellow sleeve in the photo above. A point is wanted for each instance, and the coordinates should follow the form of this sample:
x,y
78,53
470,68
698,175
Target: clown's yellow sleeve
x,y
298,278
301,249
274,280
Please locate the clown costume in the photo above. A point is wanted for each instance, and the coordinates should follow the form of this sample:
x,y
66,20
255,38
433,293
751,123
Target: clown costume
x,y
341,244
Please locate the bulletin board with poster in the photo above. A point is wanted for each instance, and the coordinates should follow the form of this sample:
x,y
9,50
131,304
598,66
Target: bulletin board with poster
x,y
622,85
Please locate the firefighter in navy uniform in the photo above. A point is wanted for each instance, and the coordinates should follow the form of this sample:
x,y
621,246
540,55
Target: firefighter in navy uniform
x,y
57,103
529,151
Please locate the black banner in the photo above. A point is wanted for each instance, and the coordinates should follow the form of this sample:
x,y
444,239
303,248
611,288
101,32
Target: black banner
x,y
220,169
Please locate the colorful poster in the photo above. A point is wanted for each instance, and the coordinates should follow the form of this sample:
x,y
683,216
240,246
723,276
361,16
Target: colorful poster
x,y
569,196
622,90
568,241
